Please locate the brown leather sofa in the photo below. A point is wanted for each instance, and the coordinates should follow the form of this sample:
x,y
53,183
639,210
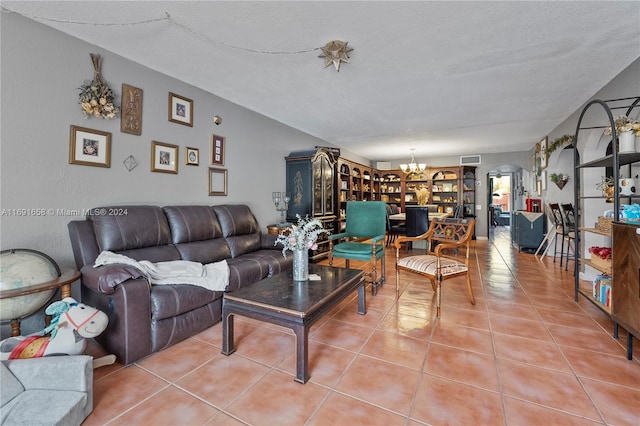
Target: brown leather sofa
x,y
144,319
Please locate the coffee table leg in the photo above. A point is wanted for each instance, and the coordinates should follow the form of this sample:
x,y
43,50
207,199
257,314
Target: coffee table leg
x,y
227,333
362,299
302,354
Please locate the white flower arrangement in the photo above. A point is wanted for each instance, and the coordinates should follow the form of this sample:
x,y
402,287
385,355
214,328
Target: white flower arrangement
x,y
624,124
303,236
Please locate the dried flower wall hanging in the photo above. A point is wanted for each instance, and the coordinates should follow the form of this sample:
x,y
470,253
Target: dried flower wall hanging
x,y
96,98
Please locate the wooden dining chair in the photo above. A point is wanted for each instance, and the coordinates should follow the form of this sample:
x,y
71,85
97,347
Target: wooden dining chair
x,y
440,262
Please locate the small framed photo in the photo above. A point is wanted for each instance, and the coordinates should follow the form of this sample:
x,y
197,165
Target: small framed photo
x,y
164,157
217,181
192,156
89,147
543,180
217,150
543,152
180,110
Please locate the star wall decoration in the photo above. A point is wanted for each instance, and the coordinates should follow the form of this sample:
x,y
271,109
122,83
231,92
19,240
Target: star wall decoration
x,y
335,52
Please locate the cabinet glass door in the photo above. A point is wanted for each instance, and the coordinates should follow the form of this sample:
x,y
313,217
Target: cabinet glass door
x,y
327,175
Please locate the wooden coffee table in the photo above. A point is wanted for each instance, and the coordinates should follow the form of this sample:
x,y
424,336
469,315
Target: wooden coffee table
x,y
295,305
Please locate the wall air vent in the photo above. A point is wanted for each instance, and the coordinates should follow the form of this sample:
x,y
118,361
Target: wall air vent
x,y
383,165
469,160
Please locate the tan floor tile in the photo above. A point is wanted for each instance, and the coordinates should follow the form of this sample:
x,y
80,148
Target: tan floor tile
x,y
326,363
530,351
277,400
185,410
223,379
410,326
267,345
619,405
525,413
380,383
463,366
463,337
545,387
120,391
179,359
608,368
341,334
441,401
520,327
343,410
397,349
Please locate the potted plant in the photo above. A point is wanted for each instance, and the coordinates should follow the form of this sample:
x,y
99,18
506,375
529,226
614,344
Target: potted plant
x,y
627,130
559,179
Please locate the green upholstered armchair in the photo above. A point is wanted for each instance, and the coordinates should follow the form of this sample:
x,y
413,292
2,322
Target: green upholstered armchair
x,y
363,237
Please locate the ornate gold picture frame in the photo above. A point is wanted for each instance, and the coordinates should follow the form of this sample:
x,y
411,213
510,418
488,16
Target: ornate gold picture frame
x,y
164,157
89,147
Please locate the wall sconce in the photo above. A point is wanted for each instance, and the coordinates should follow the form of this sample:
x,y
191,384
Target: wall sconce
x,y
217,120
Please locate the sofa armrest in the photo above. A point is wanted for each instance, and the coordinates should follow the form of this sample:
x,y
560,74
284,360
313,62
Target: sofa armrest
x,y
268,241
128,335
104,279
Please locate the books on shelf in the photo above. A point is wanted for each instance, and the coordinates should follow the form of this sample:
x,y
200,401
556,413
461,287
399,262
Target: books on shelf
x,y
602,289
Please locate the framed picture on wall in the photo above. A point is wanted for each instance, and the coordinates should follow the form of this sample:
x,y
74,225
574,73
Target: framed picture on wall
x,y
192,156
89,147
217,181
180,110
164,157
543,179
543,152
217,150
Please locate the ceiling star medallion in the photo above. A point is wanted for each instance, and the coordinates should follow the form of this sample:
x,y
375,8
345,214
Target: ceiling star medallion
x,y
334,52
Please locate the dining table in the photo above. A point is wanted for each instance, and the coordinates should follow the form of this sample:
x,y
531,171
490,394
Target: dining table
x,y
399,217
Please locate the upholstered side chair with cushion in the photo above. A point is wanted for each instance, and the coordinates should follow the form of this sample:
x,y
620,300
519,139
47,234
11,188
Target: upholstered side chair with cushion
x,y
363,237
447,256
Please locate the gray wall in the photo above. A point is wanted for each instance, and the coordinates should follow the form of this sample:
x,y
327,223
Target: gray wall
x,y
41,71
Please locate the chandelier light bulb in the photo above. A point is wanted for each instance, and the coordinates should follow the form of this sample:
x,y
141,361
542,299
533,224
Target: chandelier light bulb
x,y
412,167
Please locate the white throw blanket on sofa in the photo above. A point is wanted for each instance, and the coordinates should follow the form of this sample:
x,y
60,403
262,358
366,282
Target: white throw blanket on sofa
x,y
212,276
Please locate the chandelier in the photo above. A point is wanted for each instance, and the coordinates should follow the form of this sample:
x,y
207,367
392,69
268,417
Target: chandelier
x,y
412,167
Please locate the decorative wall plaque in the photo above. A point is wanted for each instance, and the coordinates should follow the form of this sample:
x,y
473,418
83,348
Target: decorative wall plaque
x,y
131,117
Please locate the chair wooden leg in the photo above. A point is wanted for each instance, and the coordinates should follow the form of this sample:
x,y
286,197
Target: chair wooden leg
x,y
472,299
438,296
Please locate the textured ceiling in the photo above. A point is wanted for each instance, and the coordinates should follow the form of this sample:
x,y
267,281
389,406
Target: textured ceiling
x,y
445,78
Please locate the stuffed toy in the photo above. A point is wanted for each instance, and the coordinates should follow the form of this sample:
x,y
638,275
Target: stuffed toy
x,y
72,323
